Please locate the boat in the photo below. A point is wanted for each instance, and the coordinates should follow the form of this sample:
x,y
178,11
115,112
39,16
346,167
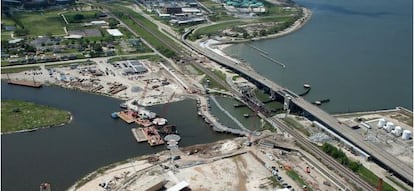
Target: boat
x,y
246,115
115,115
306,85
123,105
321,102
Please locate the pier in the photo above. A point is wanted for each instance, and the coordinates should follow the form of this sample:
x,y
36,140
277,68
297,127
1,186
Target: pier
x,y
273,60
229,115
256,48
139,134
209,118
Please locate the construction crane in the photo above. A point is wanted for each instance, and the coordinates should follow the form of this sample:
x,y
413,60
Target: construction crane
x,y
144,91
164,109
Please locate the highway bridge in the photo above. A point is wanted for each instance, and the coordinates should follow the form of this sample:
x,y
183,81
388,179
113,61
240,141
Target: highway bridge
x,y
381,157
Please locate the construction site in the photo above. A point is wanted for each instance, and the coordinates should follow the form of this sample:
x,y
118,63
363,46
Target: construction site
x,y
125,79
254,163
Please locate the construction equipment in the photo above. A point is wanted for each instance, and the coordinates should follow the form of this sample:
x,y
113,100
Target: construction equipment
x,y
379,186
165,108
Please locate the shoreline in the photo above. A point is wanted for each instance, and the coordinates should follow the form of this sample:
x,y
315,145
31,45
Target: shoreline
x,y
298,24
40,128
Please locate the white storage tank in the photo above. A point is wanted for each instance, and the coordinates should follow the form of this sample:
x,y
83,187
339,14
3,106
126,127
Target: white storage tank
x,y
406,134
389,127
381,123
398,131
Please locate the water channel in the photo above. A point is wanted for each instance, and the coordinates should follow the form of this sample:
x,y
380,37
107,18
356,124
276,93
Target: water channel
x,y
64,154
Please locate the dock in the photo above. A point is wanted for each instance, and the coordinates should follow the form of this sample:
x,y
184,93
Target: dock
x,y
32,84
126,116
139,134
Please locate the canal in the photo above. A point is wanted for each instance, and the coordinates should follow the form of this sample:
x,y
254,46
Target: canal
x,y
64,154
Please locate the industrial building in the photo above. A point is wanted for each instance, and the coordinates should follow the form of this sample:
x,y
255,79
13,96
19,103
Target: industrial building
x,y
132,67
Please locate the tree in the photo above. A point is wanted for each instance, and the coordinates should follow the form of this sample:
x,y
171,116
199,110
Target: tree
x,y
263,32
246,35
78,17
21,32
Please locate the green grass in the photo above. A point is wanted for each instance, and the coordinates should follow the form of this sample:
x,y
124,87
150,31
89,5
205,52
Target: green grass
x,y
69,63
296,178
88,15
21,115
16,70
268,126
260,95
401,185
40,23
274,182
220,74
215,29
372,179
149,57
213,84
6,35
123,13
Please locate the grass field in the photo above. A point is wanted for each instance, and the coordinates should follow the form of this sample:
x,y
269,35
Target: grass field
x,y
21,115
123,14
41,23
6,35
87,16
16,70
69,63
297,179
214,29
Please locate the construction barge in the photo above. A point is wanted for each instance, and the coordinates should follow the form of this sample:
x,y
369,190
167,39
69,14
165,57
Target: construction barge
x,y
139,134
32,84
150,128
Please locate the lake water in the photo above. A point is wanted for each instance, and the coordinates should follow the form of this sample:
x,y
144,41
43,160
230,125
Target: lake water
x,y
62,155
356,53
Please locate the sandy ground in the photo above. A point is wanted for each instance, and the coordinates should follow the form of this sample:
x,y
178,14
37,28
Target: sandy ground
x,y
113,175
224,165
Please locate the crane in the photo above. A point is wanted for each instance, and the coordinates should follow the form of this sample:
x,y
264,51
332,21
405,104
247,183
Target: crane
x,y
164,110
144,91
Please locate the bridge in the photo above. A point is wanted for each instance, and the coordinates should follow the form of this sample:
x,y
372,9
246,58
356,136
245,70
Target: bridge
x,y
385,159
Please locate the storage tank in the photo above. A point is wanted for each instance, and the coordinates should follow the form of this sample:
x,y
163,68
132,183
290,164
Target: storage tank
x,y
406,134
381,123
389,126
398,131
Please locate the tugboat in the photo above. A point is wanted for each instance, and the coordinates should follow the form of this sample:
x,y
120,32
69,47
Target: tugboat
x,y
123,105
115,115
